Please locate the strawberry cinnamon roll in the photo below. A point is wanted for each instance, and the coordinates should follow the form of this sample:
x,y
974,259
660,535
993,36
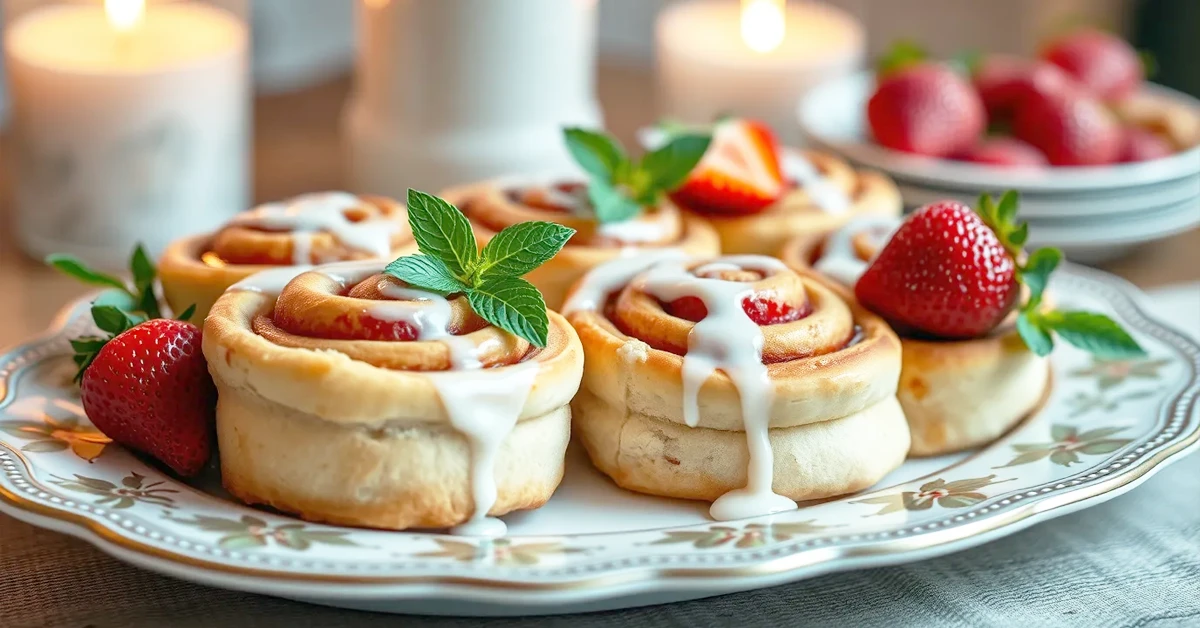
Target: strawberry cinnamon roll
x,y
302,231
351,398
757,194
493,205
956,394
734,380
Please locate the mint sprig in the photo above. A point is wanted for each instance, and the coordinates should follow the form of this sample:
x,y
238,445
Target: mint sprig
x,y
450,262
619,186
119,307
1038,326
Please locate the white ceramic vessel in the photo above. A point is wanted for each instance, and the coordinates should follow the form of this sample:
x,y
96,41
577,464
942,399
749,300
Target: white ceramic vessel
x,y
1106,427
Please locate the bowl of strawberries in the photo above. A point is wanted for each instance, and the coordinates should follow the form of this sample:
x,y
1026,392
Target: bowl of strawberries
x,y
1103,158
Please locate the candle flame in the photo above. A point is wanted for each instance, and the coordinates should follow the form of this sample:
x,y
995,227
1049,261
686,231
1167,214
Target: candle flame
x,y
763,24
124,15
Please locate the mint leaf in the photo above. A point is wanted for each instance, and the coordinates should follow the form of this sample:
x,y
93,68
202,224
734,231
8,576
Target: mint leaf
x,y
424,271
1036,338
187,313
443,232
670,165
521,248
609,204
111,319
1095,333
1036,273
597,153
73,267
514,305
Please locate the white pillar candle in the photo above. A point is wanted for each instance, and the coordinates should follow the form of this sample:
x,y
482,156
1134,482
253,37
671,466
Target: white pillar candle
x,y
751,58
132,127
457,90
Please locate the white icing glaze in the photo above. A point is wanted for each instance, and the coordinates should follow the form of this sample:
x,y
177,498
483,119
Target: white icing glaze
x,y
484,405
633,231
827,196
431,320
310,213
606,278
728,340
269,282
840,261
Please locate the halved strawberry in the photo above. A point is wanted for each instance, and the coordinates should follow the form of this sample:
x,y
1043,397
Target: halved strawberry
x,y
739,174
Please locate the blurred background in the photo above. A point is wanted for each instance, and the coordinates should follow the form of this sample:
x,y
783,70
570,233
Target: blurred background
x,y
290,96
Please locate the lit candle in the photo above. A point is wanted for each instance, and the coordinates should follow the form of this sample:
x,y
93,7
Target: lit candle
x,y
754,58
132,124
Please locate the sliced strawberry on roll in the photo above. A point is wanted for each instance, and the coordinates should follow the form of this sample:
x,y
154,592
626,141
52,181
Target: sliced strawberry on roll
x,y
739,174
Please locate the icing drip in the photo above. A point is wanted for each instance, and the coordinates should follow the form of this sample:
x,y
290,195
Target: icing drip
x,y
827,195
484,405
728,340
840,260
304,215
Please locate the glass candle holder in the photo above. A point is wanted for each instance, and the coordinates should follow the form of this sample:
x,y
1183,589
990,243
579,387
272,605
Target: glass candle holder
x,y
130,121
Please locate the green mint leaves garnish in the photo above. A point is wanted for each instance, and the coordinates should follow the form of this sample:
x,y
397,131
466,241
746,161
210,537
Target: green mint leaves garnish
x,y
1037,326
450,262
620,187
119,307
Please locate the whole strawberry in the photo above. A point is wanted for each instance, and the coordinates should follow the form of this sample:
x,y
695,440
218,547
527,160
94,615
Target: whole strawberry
x,y
145,383
944,273
951,273
926,109
1005,151
1005,81
1102,63
149,389
1070,127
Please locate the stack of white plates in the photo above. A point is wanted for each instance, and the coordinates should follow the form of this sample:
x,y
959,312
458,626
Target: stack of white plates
x,y
1092,213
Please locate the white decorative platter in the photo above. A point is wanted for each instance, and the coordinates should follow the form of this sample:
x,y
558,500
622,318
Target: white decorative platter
x,y
1105,428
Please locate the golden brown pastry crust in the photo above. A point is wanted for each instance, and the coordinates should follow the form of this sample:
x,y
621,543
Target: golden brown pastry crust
x,y
338,440
188,279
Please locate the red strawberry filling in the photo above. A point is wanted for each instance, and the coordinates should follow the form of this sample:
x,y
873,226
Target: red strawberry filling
x,y
345,327
760,308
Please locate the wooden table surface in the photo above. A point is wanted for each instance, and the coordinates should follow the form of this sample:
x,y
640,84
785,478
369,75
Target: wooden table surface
x,y
297,149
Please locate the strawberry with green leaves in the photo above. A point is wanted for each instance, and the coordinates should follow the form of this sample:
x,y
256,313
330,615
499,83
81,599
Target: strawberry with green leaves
x,y
450,262
619,186
954,273
144,383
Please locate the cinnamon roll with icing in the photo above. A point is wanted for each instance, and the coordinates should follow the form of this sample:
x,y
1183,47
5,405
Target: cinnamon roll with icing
x,y
822,193
493,205
733,380
956,394
349,398
301,231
